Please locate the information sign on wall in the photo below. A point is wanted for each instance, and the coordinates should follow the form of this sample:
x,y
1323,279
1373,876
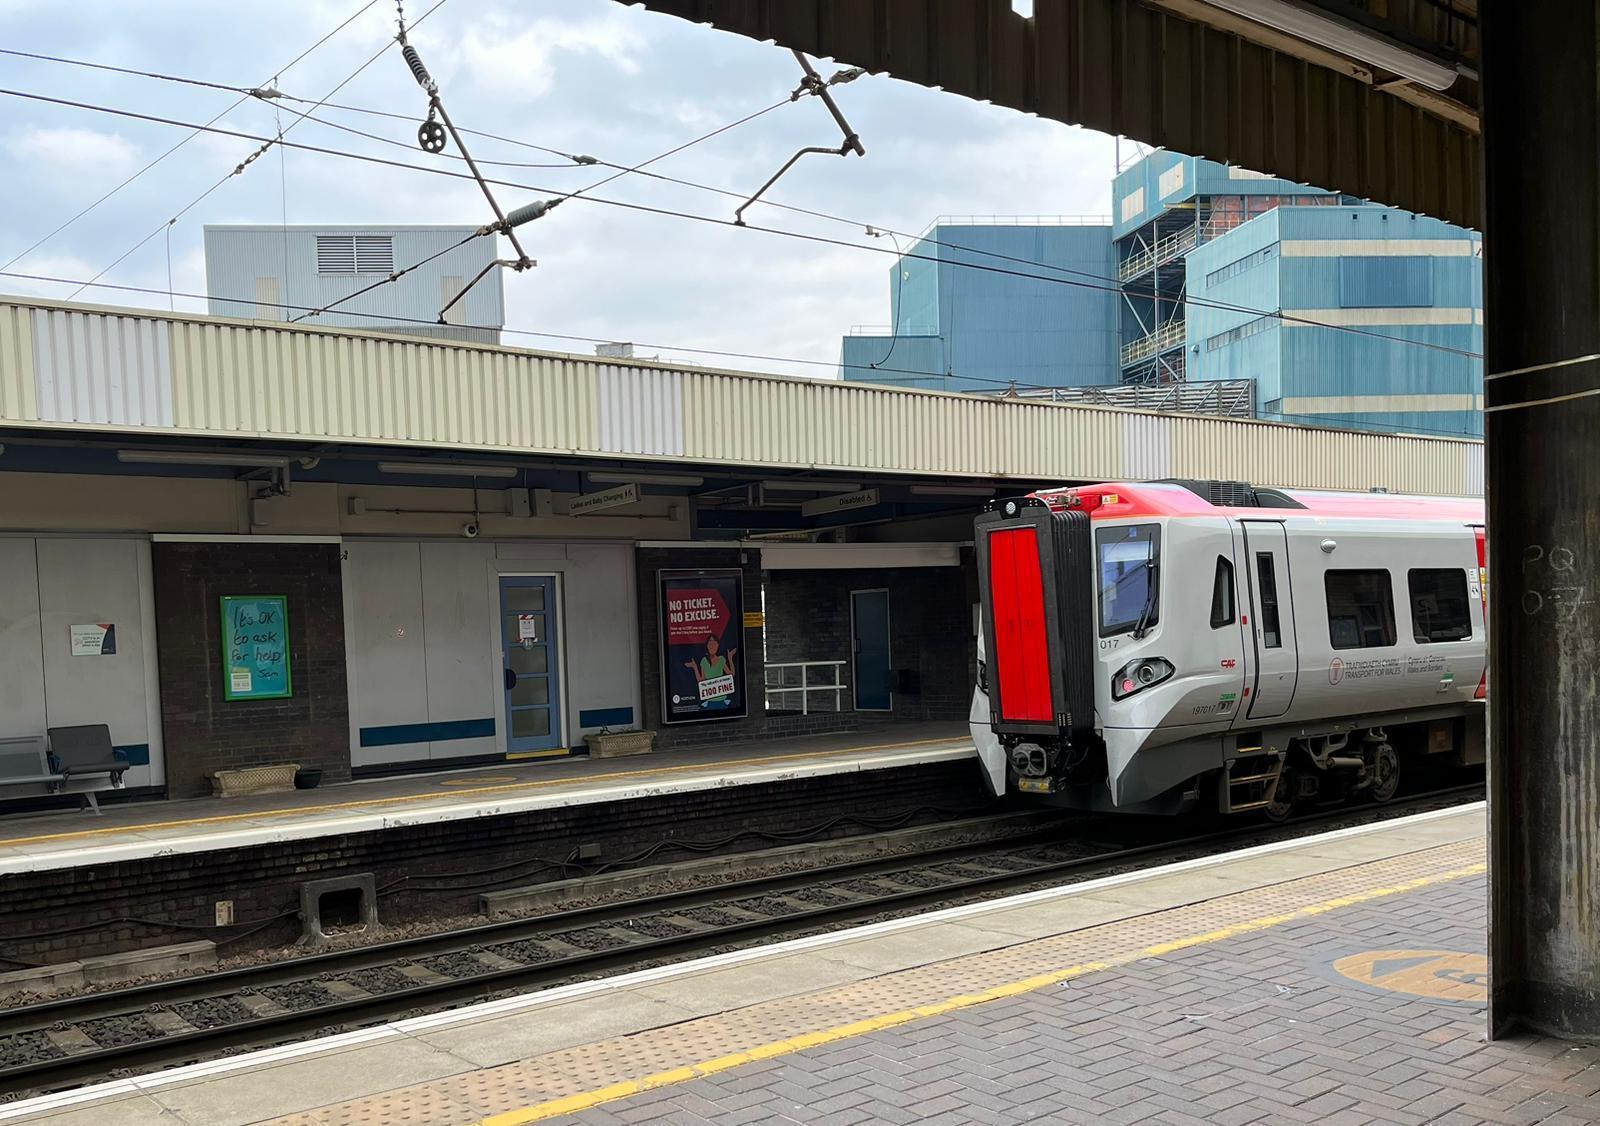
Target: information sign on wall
x,y
94,640
702,623
255,647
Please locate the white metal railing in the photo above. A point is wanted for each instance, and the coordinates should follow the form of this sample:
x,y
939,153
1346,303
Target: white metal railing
x,y
1162,252
805,688
1167,336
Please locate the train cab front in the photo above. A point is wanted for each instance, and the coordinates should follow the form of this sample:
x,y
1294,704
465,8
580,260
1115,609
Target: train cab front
x,y
1036,577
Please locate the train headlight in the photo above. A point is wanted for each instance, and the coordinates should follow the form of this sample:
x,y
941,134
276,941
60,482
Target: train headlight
x,y
1136,676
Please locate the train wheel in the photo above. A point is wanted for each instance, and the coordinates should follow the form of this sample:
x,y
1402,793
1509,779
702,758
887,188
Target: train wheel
x,y
1386,773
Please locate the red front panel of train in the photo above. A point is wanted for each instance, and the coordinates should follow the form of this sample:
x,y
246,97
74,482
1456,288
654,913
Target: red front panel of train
x,y
1021,656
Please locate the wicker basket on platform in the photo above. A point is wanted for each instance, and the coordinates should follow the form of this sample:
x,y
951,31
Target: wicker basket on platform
x,y
617,744
254,780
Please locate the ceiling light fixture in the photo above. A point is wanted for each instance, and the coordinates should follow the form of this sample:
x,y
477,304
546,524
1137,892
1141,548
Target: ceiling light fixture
x,y
1351,39
952,490
792,486
645,479
446,469
199,457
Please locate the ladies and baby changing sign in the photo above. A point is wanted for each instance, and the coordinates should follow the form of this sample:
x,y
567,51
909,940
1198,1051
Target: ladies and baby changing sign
x,y
702,620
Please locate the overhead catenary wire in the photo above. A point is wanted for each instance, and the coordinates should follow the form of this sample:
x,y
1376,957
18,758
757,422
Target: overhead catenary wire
x,y
245,96
1105,285
505,224
918,373
1092,282
275,95
398,274
266,144
1098,280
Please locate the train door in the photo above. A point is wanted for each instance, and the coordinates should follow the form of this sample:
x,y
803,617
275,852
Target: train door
x,y
1276,664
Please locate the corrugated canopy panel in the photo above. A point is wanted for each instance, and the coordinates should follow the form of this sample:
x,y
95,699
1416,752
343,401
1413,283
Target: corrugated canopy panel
x,y
135,372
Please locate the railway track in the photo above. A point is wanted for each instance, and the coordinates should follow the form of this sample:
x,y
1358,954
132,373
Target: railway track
x,y
58,1043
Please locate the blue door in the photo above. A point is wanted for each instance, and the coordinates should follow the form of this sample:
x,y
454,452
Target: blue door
x,y
531,665
869,644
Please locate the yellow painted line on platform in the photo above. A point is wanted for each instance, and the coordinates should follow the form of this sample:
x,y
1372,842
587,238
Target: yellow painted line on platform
x,y
571,1104
455,795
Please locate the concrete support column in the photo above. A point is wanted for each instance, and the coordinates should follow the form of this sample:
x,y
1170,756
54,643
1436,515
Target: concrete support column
x,y
1541,75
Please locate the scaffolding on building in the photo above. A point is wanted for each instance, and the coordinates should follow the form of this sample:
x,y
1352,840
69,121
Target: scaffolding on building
x,y
1152,269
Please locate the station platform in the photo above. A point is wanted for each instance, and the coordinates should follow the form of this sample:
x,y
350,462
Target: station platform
x,y
1337,979
36,842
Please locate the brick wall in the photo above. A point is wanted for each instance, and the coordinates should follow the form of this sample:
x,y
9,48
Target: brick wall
x,y
652,560
930,633
202,730
439,870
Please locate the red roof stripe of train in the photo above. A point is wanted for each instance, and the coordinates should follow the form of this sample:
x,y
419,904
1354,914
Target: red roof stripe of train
x,y
1120,500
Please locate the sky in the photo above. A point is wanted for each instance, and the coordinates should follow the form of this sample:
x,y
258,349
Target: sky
x,y
579,76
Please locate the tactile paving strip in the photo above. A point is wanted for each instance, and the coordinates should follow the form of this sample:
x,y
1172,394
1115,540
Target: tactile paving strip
x,y
670,1052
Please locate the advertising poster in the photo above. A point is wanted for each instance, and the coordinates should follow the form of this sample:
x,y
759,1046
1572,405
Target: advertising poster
x,y
702,626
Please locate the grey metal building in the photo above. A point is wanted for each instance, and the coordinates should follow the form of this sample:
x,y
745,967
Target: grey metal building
x,y
278,273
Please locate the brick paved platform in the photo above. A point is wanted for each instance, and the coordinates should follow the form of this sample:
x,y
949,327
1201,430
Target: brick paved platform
x,y
1338,980
1251,1029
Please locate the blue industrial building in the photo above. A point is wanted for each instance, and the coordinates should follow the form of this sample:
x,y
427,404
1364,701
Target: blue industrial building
x,y
1375,318
1166,205
1341,313
958,328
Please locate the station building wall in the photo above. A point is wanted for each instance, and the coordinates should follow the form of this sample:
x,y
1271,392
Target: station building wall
x,y
394,620
50,583
209,732
425,668
932,645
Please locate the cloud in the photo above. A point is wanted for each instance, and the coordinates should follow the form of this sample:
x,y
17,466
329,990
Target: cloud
x,y
508,58
583,76
51,266
71,151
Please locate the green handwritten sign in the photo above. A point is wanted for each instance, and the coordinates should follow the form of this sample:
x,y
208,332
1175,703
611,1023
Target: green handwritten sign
x,y
255,647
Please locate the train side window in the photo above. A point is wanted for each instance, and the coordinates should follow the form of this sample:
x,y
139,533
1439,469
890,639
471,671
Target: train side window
x,y
1439,605
1271,637
1360,609
1222,595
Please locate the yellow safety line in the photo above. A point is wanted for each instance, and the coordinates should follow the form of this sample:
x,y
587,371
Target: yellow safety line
x,y
572,1104
401,799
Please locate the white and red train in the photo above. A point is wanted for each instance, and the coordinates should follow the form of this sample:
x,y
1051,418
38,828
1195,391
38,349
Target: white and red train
x,y
1162,647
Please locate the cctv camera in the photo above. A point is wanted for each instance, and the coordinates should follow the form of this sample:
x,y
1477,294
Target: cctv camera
x,y
470,529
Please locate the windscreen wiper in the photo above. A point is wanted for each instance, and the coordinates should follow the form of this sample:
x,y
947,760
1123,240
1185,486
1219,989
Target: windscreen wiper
x,y
1152,578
